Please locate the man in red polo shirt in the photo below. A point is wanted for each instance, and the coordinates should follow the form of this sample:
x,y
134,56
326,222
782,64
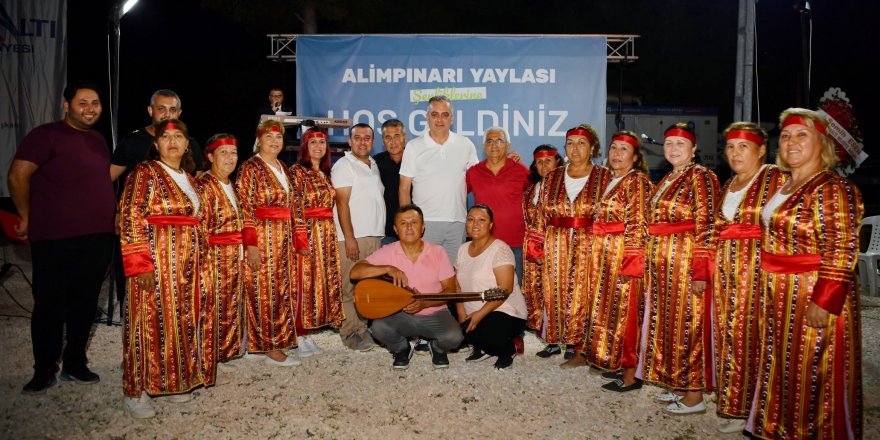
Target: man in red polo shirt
x,y
499,182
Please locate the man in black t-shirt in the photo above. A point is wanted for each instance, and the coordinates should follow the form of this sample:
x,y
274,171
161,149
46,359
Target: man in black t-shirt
x,y
388,161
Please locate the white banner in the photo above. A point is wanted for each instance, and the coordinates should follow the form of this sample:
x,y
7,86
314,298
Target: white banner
x,y
849,143
33,71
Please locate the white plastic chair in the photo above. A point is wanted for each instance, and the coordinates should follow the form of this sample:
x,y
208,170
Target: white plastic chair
x,y
869,273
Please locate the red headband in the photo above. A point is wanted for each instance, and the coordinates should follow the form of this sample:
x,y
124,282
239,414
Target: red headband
x,y
626,138
579,132
219,143
795,119
546,153
172,126
745,134
312,135
272,128
681,133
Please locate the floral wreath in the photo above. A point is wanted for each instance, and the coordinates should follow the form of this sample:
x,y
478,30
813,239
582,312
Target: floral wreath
x,y
844,129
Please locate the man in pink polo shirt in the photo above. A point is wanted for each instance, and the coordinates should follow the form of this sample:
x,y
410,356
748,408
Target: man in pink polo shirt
x,y
425,267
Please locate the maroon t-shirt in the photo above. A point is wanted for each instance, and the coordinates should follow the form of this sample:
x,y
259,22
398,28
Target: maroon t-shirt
x,y
71,191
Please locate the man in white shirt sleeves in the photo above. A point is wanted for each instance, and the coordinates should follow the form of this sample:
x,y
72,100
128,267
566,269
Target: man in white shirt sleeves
x,y
359,190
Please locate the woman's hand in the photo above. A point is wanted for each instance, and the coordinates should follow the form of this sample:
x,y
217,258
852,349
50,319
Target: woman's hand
x,y
146,281
698,287
253,257
624,278
475,318
304,252
817,317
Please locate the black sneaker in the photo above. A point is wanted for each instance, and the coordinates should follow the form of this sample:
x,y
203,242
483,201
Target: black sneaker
x,y
39,384
422,347
81,376
569,353
618,386
612,375
477,355
438,358
401,359
549,350
504,362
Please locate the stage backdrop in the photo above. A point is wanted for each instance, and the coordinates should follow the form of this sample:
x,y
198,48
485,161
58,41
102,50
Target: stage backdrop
x,y
33,67
535,86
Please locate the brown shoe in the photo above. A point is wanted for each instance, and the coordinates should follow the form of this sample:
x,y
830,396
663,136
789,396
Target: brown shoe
x,y
579,360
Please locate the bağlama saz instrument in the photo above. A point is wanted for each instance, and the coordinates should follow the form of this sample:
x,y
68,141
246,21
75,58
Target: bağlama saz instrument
x,y
376,298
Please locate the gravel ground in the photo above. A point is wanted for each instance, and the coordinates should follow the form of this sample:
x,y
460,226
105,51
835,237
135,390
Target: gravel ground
x,y
343,394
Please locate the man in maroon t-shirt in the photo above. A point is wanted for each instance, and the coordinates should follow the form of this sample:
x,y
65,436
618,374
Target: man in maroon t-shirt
x,y
60,183
499,182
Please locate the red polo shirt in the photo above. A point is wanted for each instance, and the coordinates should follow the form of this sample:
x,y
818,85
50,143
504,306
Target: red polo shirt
x,y
503,192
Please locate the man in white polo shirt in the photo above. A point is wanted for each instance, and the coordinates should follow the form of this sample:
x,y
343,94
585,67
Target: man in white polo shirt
x,y
360,223
434,167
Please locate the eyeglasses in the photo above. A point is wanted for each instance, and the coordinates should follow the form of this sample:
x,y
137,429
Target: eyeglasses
x,y
496,142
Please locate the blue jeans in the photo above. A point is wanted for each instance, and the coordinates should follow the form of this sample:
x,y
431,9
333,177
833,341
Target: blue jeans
x,y
518,261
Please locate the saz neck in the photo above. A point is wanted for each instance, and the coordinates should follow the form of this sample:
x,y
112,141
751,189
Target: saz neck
x,y
447,296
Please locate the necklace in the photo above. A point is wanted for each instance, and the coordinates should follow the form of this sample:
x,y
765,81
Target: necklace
x,y
791,186
177,169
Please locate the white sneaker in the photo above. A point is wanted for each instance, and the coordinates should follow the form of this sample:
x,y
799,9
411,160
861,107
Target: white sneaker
x,y
732,426
179,398
139,407
667,397
311,344
291,361
679,409
302,350
254,356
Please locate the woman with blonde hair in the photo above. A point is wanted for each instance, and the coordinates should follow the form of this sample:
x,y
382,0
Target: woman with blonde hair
x,y
809,381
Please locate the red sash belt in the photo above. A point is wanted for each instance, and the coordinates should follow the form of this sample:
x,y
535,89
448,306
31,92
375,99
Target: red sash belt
x,y
172,220
671,228
789,263
739,231
319,213
269,213
608,228
225,238
569,222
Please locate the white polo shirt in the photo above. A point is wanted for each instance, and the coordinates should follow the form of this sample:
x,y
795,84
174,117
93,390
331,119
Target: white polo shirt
x,y
438,173
367,202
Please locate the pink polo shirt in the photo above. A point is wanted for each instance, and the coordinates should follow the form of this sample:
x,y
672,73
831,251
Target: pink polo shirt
x,y
503,193
425,274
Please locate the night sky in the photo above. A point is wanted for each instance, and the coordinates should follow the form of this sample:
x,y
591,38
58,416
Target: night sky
x,y
213,52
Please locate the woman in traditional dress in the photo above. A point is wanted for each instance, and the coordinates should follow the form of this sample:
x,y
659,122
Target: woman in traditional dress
x,y
162,255
484,263
265,195
225,254
809,373
319,286
566,203
618,263
676,345
736,281
546,159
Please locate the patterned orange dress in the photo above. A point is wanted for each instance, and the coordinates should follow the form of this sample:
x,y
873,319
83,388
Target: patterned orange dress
x,y
531,282
737,293
810,379
565,228
225,260
319,286
676,337
613,314
160,232
266,222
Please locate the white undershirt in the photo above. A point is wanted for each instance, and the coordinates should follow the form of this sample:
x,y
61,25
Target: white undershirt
x,y
661,190
278,173
230,194
537,193
182,181
778,199
733,198
574,186
612,184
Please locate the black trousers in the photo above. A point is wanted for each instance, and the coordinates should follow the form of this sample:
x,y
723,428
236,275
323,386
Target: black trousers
x,y
68,274
495,333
